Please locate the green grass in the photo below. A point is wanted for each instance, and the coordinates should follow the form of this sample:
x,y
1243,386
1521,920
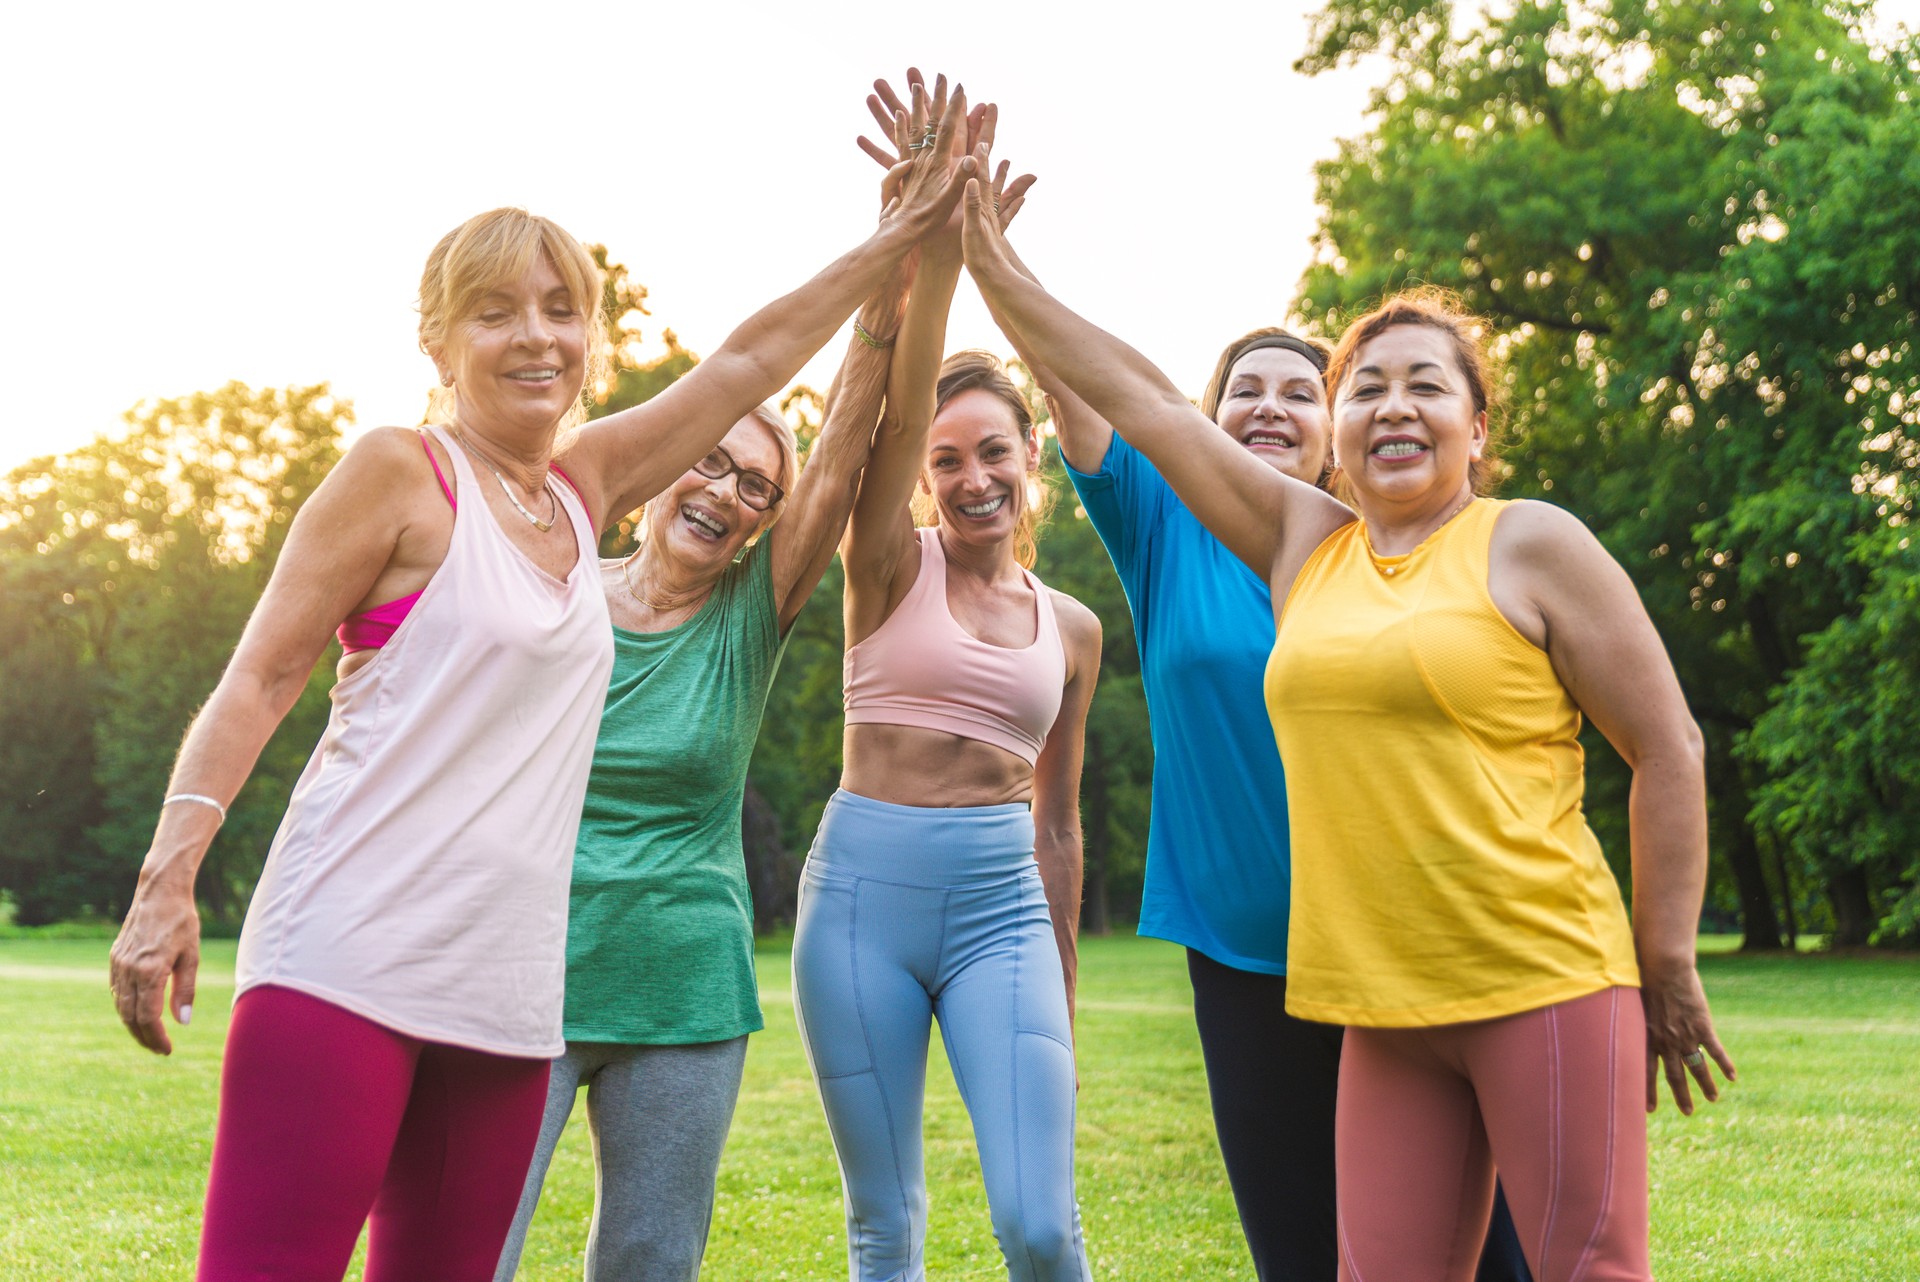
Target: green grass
x,y
1808,1169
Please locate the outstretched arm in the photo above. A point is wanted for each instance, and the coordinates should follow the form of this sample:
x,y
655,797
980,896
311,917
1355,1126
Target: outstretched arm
x,y
624,459
1270,521
1084,436
823,497
881,530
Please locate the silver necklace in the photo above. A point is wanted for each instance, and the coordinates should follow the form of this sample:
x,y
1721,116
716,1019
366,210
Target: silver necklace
x,y
546,486
626,573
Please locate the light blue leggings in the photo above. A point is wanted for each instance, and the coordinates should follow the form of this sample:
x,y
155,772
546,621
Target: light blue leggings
x,y
908,915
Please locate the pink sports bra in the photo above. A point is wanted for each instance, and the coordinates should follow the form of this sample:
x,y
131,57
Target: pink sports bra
x,y
921,668
371,629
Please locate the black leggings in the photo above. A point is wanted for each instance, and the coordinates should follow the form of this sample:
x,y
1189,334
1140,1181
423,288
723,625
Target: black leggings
x,y
1272,1078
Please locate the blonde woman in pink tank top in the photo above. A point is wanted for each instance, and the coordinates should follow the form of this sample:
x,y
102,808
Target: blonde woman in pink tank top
x,y
944,884
400,971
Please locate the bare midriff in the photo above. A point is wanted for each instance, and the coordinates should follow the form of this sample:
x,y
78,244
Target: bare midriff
x,y
910,766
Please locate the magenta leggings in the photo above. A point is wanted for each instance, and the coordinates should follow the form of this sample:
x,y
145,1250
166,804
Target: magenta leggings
x,y
1554,1096
328,1120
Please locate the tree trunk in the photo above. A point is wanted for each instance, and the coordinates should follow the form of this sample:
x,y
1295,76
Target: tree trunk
x,y
1095,841
1853,916
1760,925
1786,892
773,874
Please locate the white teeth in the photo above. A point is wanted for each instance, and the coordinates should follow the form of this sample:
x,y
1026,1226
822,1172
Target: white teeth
x,y
703,520
536,376
1399,449
984,509
1269,438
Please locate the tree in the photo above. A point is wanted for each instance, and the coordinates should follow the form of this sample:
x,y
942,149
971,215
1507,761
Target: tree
x,y
1688,223
131,566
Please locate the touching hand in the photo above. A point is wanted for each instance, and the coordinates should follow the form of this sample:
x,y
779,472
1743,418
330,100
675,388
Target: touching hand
x,y
915,137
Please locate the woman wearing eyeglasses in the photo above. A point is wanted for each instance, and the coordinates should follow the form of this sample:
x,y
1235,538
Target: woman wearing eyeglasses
x,y
660,990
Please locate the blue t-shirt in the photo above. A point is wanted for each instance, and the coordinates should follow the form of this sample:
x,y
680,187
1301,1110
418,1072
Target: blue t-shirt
x,y
1218,870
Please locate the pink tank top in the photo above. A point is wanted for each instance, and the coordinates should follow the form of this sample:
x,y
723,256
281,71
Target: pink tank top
x,y
371,629
420,876
921,668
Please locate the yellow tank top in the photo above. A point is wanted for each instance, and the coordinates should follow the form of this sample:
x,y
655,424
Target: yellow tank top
x,y
1443,870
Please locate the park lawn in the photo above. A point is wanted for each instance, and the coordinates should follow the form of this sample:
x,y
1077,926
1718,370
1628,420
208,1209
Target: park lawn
x,y
1809,1168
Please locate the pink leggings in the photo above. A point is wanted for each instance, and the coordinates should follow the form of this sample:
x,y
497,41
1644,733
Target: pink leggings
x,y
326,1116
1554,1096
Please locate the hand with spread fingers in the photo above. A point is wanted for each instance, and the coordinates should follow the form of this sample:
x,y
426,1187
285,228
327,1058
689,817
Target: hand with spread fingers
x,y
906,127
932,158
1680,1036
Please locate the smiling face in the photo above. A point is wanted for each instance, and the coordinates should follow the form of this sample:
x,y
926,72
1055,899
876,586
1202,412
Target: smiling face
x,y
1406,429
519,357
977,467
1275,404
700,521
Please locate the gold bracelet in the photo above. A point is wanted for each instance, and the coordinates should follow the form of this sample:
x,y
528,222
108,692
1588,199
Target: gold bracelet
x,y
860,332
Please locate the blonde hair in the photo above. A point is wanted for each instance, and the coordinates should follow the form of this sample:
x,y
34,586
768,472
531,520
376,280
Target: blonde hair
x,y
501,245
982,371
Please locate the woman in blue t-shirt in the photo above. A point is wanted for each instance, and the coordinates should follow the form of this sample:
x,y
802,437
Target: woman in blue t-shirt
x,y
1218,871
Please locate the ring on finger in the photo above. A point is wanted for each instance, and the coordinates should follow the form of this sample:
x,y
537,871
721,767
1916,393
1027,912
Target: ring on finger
x,y
1694,1058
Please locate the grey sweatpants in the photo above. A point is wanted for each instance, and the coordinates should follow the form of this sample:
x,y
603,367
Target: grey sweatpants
x,y
659,1117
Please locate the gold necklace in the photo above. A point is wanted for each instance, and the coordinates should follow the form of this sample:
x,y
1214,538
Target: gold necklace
x,y
546,486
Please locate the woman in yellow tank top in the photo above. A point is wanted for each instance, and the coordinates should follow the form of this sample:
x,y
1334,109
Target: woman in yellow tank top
x,y
1449,902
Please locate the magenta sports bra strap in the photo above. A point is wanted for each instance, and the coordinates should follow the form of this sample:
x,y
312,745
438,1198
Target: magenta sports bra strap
x,y
371,629
439,476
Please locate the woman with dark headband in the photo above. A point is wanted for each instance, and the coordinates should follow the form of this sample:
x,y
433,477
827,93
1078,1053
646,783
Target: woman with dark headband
x,y
1430,668
1218,878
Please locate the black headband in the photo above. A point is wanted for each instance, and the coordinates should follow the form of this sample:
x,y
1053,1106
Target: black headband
x,y
1286,343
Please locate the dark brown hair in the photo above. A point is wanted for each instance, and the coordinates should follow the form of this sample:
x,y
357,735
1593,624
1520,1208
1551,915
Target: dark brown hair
x,y
1439,309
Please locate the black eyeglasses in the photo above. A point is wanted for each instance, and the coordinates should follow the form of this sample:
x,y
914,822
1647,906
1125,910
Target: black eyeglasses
x,y
755,490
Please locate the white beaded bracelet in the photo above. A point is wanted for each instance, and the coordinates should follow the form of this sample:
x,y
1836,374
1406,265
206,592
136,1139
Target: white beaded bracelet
x,y
196,797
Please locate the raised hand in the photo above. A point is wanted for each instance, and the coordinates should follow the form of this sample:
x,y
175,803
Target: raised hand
x,y
930,165
986,211
905,127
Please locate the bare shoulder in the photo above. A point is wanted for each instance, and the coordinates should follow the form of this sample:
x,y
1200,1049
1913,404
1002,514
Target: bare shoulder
x,y
380,465
1540,535
1079,626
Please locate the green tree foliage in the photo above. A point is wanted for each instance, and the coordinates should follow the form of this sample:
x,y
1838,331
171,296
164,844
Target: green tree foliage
x,y
130,567
1690,224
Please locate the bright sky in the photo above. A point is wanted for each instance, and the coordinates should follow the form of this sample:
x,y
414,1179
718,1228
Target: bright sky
x,y
215,191
206,192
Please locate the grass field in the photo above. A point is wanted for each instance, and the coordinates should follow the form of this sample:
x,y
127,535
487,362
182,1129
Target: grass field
x,y
1809,1169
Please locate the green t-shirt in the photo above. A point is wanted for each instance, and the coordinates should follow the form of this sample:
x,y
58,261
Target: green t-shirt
x,y
660,931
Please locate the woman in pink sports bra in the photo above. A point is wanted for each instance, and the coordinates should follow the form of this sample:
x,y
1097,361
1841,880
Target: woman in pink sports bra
x,y
944,883
399,976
